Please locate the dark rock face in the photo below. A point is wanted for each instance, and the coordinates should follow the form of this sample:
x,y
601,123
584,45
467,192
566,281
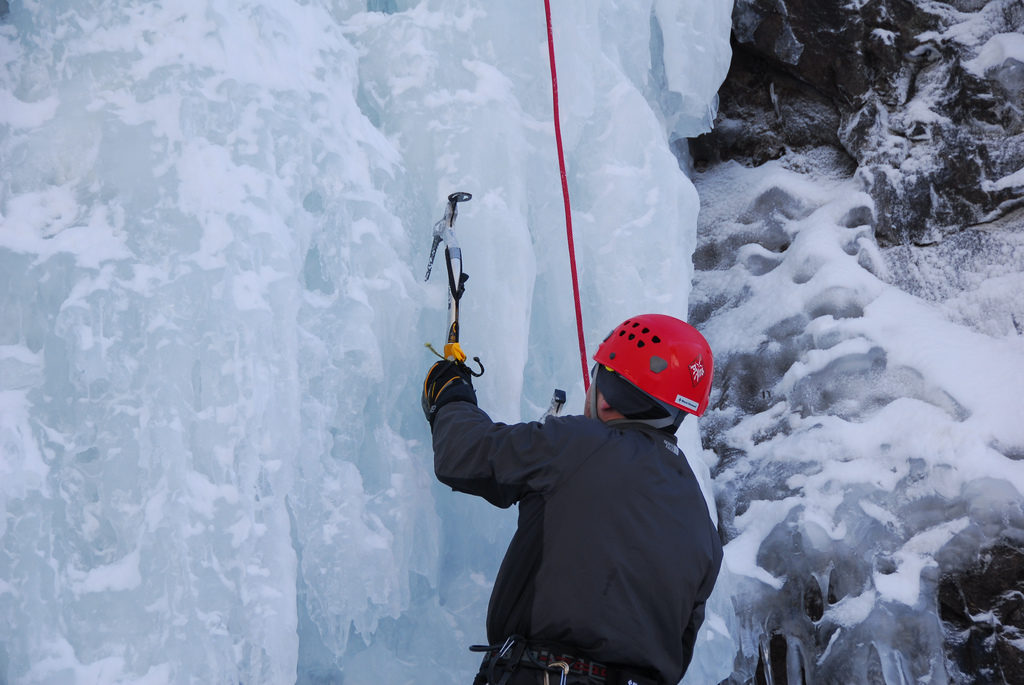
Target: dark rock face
x,y
982,611
920,95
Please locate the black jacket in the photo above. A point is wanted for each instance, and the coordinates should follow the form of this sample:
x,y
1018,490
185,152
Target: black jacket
x,y
615,553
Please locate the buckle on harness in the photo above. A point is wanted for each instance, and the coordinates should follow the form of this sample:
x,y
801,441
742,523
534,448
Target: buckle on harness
x,y
509,641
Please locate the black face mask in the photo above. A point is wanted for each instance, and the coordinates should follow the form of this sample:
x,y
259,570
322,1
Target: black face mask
x,y
626,398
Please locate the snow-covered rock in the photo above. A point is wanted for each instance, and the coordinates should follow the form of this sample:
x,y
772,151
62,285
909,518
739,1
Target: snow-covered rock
x,y
927,99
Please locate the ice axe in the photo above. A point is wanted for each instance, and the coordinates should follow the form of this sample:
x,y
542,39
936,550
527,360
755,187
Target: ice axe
x,y
444,230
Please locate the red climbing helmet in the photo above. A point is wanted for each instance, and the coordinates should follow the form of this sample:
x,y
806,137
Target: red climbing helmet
x,y
663,356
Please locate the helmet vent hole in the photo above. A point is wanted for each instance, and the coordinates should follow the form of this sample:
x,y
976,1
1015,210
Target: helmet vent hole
x,y
646,331
639,343
631,336
622,333
655,339
636,325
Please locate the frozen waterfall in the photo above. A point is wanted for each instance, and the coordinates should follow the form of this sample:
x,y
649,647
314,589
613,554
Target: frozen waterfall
x,y
214,220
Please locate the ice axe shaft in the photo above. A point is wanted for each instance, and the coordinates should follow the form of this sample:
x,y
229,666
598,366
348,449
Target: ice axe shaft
x,y
444,230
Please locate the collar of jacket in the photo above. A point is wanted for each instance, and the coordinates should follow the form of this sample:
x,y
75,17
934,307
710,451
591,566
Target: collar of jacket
x,y
631,424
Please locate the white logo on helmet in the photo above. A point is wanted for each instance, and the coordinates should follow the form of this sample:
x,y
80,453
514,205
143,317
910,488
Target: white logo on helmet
x,y
697,370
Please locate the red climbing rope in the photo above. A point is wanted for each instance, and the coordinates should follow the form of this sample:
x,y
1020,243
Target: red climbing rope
x,y
565,199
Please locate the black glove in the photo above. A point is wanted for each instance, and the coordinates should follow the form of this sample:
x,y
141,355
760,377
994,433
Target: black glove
x,y
447,381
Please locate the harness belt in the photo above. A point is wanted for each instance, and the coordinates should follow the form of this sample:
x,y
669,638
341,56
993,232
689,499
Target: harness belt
x,y
595,670
502,661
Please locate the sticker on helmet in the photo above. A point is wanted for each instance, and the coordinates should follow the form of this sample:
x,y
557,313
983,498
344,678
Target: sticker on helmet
x,y
687,402
697,369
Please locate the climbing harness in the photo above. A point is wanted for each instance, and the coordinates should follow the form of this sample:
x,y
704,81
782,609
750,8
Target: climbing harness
x,y
502,661
444,230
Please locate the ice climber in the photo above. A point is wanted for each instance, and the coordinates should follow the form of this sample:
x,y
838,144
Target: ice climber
x,y
615,554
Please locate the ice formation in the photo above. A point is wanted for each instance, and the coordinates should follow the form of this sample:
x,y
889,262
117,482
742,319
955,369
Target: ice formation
x,y
214,220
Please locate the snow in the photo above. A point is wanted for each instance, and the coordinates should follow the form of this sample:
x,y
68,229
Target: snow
x,y
996,51
122,575
1014,180
214,223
